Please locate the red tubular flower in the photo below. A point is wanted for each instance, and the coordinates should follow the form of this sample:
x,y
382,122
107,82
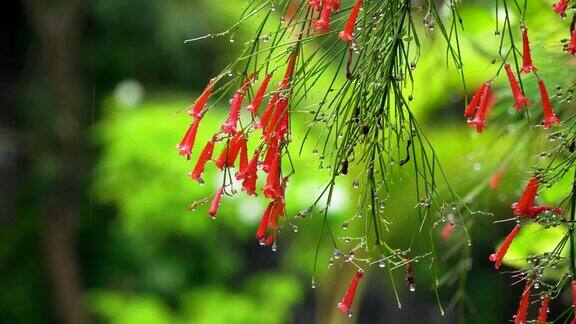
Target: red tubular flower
x,y
473,104
272,188
335,5
263,122
495,179
501,252
187,143
522,312
253,107
197,109
278,211
216,203
278,124
346,34
346,304
519,99
479,120
550,118
230,152
283,123
323,24
206,155
243,156
230,126
560,7
527,56
289,71
571,47
447,231
528,196
261,231
269,220
250,175
543,312
271,153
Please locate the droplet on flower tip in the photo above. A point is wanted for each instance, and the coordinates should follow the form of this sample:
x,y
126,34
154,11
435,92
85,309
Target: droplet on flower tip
x,y
274,247
313,284
412,287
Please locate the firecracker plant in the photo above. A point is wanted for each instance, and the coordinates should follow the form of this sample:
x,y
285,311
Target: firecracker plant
x,y
364,129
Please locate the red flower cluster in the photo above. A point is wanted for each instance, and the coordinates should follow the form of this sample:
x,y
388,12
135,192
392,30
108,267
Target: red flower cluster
x,y
269,222
326,8
521,316
525,206
274,123
481,102
560,7
479,105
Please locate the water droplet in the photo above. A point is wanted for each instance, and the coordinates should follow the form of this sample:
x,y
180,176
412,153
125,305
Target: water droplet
x,y
313,284
337,254
477,166
382,263
412,287
344,226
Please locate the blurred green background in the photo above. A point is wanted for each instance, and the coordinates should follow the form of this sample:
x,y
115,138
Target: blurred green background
x,y
94,225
